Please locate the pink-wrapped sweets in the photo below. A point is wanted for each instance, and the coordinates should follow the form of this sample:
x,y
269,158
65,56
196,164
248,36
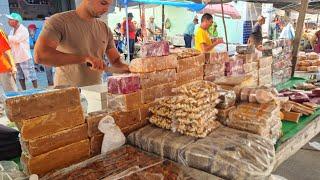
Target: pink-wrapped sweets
x,y
123,84
154,49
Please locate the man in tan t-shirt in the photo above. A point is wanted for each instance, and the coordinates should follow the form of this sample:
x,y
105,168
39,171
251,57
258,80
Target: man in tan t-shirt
x,y
71,39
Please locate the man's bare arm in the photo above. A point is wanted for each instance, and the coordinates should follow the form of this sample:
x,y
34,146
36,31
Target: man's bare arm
x,y
114,58
45,53
206,48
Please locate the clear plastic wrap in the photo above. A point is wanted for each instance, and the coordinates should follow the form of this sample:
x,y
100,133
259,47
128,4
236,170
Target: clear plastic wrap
x,y
160,141
261,119
124,102
225,152
9,170
231,154
227,99
191,112
121,160
153,49
165,170
245,49
123,84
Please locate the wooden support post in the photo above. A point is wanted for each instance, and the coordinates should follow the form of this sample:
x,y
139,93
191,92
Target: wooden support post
x,y
224,25
162,21
299,30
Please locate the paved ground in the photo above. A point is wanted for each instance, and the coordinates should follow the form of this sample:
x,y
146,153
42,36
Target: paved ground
x,y
304,165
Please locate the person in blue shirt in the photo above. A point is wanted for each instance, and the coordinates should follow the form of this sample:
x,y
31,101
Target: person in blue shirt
x,y
34,34
189,32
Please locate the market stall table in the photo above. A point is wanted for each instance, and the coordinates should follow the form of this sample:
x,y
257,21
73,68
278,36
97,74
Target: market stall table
x,y
295,135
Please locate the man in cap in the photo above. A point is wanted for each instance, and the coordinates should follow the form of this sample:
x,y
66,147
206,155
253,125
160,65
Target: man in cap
x,y
132,33
256,35
151,28
189,32
19,43
71,39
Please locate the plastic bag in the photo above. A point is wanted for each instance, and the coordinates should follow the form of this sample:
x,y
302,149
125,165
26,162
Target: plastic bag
x,y
113,137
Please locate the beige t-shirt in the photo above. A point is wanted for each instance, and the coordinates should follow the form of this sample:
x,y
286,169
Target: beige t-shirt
x,y
79,37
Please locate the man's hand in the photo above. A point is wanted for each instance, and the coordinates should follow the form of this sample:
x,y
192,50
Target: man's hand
x,y
96,64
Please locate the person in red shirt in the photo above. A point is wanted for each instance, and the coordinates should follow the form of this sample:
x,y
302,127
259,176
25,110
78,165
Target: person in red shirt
x,y
7,65
132,33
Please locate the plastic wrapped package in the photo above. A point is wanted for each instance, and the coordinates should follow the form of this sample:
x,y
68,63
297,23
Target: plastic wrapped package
x,y
214,69
231,154
265,71
227,99
123,84
249,67
128,163
245,49
155,49
165,170
151,64
9,170
247,58
265,61
312,56
216,57
255,118
151,79
223,114
124,102
190,62
276,51
191,112
163,142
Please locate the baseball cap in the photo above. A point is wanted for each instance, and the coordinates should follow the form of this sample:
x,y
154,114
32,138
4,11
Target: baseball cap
x,y
130,15
32,26
15,16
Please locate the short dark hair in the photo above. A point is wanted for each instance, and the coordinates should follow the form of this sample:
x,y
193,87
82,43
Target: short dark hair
x,y
206,16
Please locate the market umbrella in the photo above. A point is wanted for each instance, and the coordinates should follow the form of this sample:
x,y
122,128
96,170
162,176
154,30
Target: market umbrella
x,y
215,9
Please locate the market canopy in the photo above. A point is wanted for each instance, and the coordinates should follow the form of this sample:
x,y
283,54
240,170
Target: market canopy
x,y
229,10
184,4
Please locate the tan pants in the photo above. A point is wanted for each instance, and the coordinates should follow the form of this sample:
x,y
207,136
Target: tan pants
x,y
7,82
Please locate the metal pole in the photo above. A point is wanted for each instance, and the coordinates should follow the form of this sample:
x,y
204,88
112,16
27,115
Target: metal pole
x,y
224,25
127,31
